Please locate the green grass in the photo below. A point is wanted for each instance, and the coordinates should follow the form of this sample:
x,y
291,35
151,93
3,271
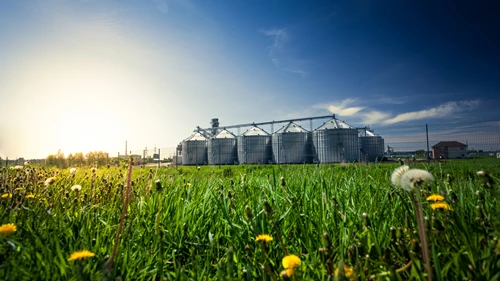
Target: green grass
x,y
202,232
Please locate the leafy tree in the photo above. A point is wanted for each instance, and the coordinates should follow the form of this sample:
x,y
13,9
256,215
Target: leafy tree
x,y
51,160
420,153
70,160
102,158
91,158
61,160
79,159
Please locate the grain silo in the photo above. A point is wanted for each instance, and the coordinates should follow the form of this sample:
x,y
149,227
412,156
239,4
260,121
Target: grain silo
x,y
291,144
371,146
254,146
222,149
194,150
335,142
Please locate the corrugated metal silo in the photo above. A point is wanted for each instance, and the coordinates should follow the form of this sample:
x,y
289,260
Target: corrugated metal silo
x,y
371,146
254,146
194,150
291,144
335,142
222,149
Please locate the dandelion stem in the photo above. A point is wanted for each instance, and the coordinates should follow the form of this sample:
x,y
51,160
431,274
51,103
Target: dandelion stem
x,y
122,218
267,268
417,203
278,234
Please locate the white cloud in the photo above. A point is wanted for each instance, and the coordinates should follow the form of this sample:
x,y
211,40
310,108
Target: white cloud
x,y
161,5
279,35
279,53
349,107
439,111
342,108
374,117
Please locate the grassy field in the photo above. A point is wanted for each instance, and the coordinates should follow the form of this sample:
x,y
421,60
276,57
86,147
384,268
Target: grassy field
x,y
202,224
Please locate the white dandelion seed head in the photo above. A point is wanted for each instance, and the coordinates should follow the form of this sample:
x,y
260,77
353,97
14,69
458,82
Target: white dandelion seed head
x,y
26,163
396,175
49,181
72,171
76,187
414,178
481,173
18,167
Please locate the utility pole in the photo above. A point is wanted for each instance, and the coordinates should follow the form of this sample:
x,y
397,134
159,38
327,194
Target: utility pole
x,y
427,136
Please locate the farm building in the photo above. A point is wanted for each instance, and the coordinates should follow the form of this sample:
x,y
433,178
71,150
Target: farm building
x,y
449,150
333,142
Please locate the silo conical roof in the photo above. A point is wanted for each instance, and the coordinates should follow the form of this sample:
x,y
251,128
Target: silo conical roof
x,y
225,134
255,131
291,128
334,124
367,133
196,136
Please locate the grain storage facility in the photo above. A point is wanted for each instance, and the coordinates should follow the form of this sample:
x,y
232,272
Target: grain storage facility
x,y
292,144
371,146
194,150
222,149
335,142
254,146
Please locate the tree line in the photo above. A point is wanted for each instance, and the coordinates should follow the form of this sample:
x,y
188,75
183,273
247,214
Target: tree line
x,y
93,158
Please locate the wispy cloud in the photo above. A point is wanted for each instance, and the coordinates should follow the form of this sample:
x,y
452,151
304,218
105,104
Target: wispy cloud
x,y
279,53
342,108
442,110
280,35
374,117
350,107
161,5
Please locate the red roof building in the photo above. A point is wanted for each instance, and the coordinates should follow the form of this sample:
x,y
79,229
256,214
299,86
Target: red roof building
x,y
449,150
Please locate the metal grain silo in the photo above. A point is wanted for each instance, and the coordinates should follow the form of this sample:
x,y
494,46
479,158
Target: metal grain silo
x,y
222,149
254,146
335,142
291,144
371,146
194,150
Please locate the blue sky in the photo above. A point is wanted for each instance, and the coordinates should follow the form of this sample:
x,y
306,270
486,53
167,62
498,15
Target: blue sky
x,y
89,75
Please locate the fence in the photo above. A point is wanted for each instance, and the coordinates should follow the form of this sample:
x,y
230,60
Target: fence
x,y
480,138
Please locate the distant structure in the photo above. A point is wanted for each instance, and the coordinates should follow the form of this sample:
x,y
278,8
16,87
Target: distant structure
x,y
333,142
449,150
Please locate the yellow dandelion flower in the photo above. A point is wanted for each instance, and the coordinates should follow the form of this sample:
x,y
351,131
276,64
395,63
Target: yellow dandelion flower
x,y
264,237
435,197
7,229
441,205
287,273
188,184
348,272
30,196
7,195
19,189
291,262
83,254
